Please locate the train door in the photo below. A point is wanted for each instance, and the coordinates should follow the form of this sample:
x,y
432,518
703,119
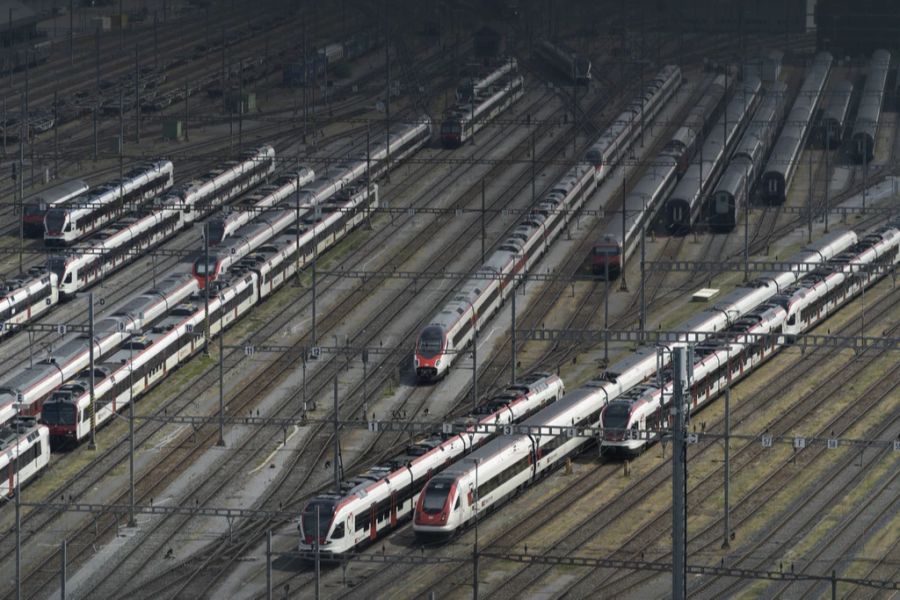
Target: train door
x,y
393,509
373,523
11,483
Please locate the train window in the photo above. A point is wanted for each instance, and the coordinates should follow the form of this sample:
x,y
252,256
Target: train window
x,y
436,494
338,532
431,342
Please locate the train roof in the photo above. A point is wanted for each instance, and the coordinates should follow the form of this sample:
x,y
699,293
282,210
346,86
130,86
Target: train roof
x,y
66,188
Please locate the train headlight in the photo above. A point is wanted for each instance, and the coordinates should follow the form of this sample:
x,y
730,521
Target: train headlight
x,y
416,361
437,363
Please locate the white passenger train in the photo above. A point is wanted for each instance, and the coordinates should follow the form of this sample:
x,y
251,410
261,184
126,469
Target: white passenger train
x,y
174,336
334,185
378,500
464,120
509,463
720,362
82,216
452,329
88,262
35,207
31,385
25,298
24,452
609,149
479,298
258,201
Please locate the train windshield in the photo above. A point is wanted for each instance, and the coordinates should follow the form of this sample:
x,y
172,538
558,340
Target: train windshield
x,y
216,231
431,341
200,267
57,265
616,416
436,495
317,517
58,413
55,219
606,249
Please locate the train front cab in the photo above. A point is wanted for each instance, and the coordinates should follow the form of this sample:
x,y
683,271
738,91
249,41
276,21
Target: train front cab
x,y
205,271
434,518
429,351
678,217
617,433
315,523
606,258
723,217
451,131
773,188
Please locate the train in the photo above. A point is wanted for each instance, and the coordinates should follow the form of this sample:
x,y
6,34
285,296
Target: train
x,y
317,62
753,339
782,164
686,203
340,180
510,463
35,207
621,234
24,453
375,502
471,85
464,120
30,386
608,256
64,225
167,341
576,68
25,298
836,114
454,327
868,113
609,149
263,199
736,184
88,262
683,144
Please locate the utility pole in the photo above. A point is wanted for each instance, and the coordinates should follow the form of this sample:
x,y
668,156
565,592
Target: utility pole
x,y
71,32
746,223
131,520
337,441
93,443
827,175
727,484
512,345
221,441
207,281
137,97
387,103
643,313
679,475
474,360
97,61
623,287
483,233
809,201
62,569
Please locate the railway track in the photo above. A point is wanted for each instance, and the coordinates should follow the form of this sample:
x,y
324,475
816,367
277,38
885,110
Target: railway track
x,y
531,525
